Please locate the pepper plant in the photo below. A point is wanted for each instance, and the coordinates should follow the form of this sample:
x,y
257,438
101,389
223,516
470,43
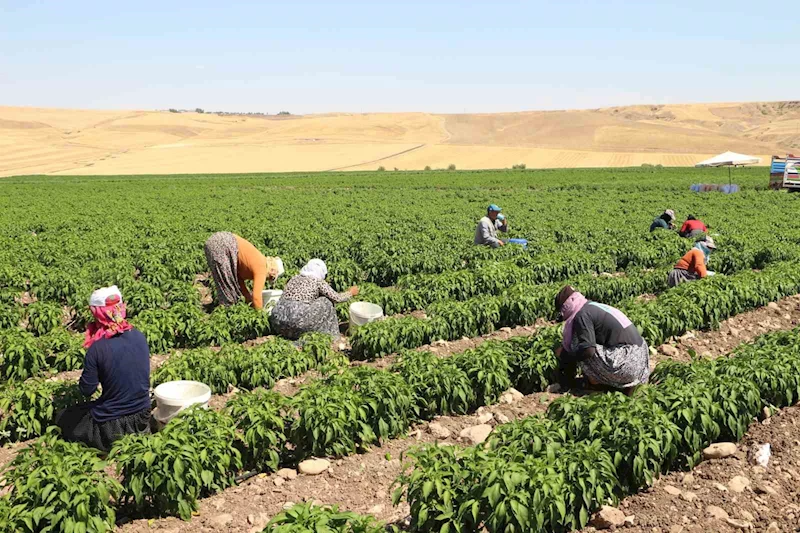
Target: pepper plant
x,y
59,486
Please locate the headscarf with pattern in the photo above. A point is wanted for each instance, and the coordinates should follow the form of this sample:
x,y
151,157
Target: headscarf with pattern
x,y
109,312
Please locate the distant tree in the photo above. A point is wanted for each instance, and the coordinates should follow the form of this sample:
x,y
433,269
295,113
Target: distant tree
x,y
521,166
173,110
427,167
284,113
199,110
380,169
451,166
395,169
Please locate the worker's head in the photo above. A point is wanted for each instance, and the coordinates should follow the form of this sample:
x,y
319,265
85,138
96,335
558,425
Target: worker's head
x,y
561,298
493,211
668,215
274,268
316,269
708,242
690,217
109,314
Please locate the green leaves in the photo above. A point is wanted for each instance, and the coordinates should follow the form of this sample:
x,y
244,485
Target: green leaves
x,y
43,317
439,385
21,356
259,415
386,398
196,454
329,420
249,368
27,409
59,486
308,517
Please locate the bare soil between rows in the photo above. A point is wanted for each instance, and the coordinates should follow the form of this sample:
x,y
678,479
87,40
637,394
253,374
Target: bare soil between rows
x,y
772,496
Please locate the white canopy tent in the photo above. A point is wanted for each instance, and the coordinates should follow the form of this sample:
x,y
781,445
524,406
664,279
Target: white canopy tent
x,y
729,159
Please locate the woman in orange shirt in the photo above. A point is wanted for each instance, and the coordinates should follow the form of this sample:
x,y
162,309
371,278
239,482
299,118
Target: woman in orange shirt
x,y
233,260
692,266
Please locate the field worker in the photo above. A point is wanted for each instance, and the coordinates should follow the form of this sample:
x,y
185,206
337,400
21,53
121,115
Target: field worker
x,y
664,221
233,260
486,232
117,359
307,303
692,228
693,265
603,341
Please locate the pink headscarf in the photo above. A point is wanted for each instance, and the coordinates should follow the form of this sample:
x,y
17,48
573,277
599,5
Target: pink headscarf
x,y
569,309
109,320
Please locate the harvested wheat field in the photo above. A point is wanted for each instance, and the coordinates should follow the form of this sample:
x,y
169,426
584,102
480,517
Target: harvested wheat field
x,y
60,141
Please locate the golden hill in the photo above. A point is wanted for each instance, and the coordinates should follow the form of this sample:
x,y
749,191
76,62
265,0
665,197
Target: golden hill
x,y
60,141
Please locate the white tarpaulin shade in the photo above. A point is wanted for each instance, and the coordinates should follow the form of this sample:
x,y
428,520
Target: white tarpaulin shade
x,y
730,159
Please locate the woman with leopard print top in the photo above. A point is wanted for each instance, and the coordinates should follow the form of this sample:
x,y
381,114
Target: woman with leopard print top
x,y
307,303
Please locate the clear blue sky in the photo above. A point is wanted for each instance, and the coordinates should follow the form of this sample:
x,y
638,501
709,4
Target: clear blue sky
x,y
434,55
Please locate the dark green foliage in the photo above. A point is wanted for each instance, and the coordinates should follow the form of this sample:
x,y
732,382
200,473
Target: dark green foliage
x,y
59,486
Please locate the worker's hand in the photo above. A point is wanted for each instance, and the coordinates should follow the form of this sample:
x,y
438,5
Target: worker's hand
x,y
353,290
501,243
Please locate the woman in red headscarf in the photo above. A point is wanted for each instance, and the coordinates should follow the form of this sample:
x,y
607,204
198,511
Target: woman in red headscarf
x,y
118,359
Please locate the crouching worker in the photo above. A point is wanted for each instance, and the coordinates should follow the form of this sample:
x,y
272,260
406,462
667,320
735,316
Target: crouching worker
x,y
692,228
486,232
692,266
665,220
307,303
234,260
117,359
603,342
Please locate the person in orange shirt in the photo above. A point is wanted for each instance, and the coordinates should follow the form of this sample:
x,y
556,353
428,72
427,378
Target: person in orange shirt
x,y
233,260
692,266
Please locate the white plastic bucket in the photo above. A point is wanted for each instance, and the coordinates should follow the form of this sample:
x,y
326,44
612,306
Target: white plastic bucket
x,y
270,298
363,313
173,397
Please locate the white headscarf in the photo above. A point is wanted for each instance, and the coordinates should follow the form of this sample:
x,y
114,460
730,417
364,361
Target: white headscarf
x,y
315,269
279,266
99,298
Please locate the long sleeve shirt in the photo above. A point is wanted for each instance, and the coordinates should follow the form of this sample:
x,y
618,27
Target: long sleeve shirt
x,y
486,233
659,223
252,265
693,225
599,324
501,226
121,365
694,261
307,289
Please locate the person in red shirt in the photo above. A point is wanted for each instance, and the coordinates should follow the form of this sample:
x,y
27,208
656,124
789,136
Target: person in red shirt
x,y
692,227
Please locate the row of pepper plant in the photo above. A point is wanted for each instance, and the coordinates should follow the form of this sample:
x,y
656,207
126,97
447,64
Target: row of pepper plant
x,y
350,410
551,473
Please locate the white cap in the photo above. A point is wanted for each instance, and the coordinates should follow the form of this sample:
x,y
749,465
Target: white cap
x,y
99,298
